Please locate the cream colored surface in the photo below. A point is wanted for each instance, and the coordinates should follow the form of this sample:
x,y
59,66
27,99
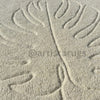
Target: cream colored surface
x,y
49,50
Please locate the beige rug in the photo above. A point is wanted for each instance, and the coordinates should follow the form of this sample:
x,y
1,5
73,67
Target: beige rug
x,y
49,49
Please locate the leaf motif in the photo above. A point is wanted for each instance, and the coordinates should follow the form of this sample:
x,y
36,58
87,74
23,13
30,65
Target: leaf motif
x,y
73,33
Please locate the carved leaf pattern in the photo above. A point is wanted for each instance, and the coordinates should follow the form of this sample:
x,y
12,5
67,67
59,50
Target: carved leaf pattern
x,y
64,29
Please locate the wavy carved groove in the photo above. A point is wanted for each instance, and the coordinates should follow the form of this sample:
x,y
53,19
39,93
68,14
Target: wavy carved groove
x,y
61,75
4,39
39,5
36,5
87,30
31,12
28,16
62,9
23,79
95,42
16,75
94,56
78,17
17,12
66,23
15,20
2,36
